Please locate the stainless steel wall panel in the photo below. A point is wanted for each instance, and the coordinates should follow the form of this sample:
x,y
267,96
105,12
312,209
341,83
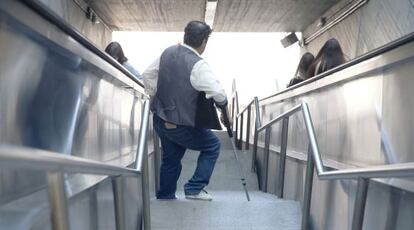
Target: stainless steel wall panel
x,y
353,132
397,124
57,95
363,116
366,28
294,180
332,204
348,110
272,175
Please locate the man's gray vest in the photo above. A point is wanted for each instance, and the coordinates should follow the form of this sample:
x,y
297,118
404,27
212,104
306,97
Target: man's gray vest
x,y
176,100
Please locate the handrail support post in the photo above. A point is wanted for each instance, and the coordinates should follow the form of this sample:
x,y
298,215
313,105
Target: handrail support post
x,y
236,132
255,140
308,190
282,158
145,191
360,202
247,146
57,200
119,202
266,158
256,134
240,143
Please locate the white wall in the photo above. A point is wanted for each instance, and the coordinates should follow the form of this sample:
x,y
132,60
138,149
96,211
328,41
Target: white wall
x,y
256,60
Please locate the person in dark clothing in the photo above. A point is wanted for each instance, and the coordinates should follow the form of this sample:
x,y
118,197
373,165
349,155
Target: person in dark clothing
x,y
329,57
305,61
183,89
115,50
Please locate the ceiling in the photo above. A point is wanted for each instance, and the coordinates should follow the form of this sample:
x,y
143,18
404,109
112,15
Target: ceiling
x,y
230,15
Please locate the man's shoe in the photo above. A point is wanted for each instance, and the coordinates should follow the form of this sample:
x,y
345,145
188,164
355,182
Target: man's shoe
x,y
203,195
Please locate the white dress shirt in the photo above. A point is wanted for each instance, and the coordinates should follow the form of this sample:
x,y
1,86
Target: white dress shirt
x,y
202,79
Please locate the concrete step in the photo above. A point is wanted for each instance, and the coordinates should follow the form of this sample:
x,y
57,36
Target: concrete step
x,y
226,175
228,210
236,196
224,139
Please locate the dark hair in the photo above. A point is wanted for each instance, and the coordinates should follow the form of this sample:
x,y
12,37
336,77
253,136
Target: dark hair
x,y
329,57
115,50
305,62
195,32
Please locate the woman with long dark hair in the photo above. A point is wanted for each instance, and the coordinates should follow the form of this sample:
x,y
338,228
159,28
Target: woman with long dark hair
x,y
115,50
305,61
329,57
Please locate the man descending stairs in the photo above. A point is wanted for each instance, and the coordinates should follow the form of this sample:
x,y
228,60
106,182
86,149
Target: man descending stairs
x,y
229,208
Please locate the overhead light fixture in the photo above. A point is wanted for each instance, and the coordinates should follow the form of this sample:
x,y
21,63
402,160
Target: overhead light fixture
x,y
289,40
211,6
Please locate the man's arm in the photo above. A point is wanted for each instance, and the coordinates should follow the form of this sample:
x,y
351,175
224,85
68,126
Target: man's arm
x,y
203,79
151,77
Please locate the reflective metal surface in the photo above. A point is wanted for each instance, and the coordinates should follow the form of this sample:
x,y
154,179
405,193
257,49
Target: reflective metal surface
x,y
351,110
56,95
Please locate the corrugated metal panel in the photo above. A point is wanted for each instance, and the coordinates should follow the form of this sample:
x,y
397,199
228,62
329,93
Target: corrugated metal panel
x,y
149,15
267,15
375,24
230,16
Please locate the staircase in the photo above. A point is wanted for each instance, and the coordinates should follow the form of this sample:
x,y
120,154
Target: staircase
x,y
229,208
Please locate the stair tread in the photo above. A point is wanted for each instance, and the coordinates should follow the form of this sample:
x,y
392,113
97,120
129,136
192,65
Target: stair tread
x,y
228,210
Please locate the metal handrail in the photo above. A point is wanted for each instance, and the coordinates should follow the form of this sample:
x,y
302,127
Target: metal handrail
x,y
314,160
245,108
383,171
56,164
30,158
240,116
380,50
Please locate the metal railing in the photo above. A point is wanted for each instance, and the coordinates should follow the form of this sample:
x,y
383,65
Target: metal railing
x,y
234,100
314,160
55,165
364,57
239,126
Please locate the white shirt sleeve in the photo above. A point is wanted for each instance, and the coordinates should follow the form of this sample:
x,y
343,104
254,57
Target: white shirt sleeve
x,y
203,79
151,77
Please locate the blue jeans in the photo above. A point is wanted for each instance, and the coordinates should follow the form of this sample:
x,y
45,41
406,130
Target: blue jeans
x,y
174,143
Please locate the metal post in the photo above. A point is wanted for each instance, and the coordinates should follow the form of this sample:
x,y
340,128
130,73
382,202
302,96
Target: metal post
x,y
236,132
257,124
241,131
232,107
119,202
57,201
248,128
266,157
237,102
360,201
256,105
142,165
145,190
157,160
282,158
308,190
255,139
